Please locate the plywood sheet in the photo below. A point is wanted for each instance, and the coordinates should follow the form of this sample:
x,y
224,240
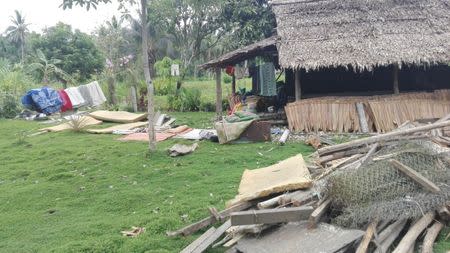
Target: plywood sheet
x,y
288,175
297,238
118,116
86,121
110,130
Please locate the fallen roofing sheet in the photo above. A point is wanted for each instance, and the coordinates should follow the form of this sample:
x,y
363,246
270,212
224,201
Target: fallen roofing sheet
x,y
296,237
290,174
118,117
144,137
109,130
85,121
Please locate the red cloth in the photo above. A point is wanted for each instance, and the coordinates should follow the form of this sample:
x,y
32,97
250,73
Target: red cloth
x,y
67,104
230,70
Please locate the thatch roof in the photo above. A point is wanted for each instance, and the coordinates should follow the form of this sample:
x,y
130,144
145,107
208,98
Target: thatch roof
x,y
263,47
362,33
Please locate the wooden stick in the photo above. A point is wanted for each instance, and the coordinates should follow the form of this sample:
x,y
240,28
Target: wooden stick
x,y
234,240
318,213
381,137
203,245
194,227
297,198
271,202
388,236
364,245
284,137
271,216
369,154
414,175
431,236
410,238
347,161
191,247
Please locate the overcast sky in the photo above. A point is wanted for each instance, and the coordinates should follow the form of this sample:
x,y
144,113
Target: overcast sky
x,y
44,13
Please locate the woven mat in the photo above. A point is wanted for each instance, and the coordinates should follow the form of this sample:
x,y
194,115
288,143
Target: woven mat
x,y
118,117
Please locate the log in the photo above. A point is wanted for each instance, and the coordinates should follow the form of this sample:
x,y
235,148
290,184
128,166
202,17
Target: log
x,y
414,175
431,236
369,154
380,138
194,227
297,198
318,213
271,202
411,236
364,245
388,236
208,241
234,240
271,216
284,137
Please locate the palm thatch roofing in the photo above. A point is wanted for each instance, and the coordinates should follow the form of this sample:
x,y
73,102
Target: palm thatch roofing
x,y
362,34
263,47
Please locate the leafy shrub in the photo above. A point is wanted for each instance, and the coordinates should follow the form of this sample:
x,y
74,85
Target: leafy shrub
x,y
227,79
208,106
163,67
9,106
185,100
163,86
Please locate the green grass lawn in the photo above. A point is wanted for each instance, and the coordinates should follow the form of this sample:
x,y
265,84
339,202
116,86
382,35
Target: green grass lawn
x,y
75,192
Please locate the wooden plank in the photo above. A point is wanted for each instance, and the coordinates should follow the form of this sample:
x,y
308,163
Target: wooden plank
x,y
414,175
380,138
388,236
205,244
410,237
430,237
194,227
362,117
364,245
271,216
191,247
318,213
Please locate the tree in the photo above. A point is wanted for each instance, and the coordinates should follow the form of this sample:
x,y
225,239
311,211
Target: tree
x,y
17,32
77,51
47,67
145,63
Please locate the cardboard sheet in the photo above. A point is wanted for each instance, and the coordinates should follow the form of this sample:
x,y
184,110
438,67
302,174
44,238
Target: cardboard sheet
x,y
110,130
288,175
144,137
118,117
87,121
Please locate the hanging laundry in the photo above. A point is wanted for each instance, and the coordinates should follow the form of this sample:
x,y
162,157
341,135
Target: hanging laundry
x,y
97,95
84,91
75,97
66,103
45,100
267,80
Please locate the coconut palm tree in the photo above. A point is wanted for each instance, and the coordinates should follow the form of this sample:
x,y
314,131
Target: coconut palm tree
x,y
17,31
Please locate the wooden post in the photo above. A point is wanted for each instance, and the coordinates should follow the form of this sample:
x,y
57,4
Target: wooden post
x,y
219,108
395,77
134,98
298,87
233,85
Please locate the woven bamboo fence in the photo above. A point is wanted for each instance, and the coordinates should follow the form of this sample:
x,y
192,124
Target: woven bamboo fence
x,y
384,113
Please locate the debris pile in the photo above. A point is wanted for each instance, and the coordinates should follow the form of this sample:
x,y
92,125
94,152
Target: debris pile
x,y
384,193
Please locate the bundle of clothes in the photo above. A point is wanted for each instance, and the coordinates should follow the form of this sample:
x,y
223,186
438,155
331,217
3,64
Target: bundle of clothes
x,y
49,101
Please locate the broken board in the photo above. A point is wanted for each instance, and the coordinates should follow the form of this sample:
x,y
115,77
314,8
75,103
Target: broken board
x,y
296,237
288,175
118,116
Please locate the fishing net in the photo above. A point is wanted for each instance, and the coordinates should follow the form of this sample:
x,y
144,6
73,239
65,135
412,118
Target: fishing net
x,y
379,190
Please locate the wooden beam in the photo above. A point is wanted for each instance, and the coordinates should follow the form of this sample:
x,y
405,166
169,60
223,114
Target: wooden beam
x,y
362,117
388,236
315,217
194,227
219,108
415,176
207,239
380,138
410,237
298,86
233,84
395,78
364,245
271,216
191,247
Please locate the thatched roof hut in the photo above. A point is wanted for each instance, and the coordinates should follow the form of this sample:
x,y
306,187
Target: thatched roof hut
x,y
263,47
362,34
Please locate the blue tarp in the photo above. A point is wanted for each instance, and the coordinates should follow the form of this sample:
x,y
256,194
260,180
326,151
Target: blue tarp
x,y
45,99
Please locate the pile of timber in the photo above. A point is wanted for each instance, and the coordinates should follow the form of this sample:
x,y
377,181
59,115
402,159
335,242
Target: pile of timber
x,y
298,220
365,114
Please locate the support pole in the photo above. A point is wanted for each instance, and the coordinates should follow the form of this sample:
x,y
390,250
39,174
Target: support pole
x,y
298,88
395,77
233,85
219,108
